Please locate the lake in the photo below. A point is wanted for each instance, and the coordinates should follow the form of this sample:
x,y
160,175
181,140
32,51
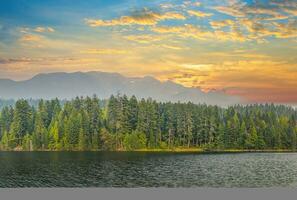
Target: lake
x,y
137,169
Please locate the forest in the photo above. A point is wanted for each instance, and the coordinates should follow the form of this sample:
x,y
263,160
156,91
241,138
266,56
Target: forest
x,y
124,123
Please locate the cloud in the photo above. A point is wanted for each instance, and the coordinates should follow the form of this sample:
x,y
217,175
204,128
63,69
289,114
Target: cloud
x,y
235,34
254,80
276,29
190,3
167,5
197,66
286,30
30,38
197,3
288,6
166,46
143,17
105,51
145,39
40,29
260,11
253,21
234,9
154,41
184,31
256,28
221,24
14,60
199,13
190,31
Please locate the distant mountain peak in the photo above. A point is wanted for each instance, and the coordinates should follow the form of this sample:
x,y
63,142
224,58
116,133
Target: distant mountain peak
x,y
69,85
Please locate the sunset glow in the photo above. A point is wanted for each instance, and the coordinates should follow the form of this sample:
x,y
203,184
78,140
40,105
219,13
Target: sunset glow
x,y
240,47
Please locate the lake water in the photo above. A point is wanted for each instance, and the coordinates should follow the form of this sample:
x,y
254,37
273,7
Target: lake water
x,y
100,169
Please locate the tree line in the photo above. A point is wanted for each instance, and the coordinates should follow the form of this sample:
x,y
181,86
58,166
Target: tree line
x,y
126,123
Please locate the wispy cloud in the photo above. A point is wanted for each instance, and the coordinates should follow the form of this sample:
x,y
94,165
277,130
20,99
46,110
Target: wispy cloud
x,y
273,11
199,13
142,17
241,46
145,38
222,23
30,38
105,51
173,47
288,6
190,31
197,66
40,29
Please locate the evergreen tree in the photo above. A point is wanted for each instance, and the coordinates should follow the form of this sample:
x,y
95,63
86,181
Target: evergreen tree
x,y
125,123
251,140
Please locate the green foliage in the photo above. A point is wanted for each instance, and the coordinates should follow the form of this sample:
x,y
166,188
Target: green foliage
x,y
123,123
108,141
26,142
54,135
134,141
251,140
4,144
82,143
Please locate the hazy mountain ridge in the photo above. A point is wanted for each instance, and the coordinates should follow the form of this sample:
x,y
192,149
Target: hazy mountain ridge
x,y
68,85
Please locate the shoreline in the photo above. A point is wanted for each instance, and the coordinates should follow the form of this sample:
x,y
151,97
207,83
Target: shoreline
x,y
191,150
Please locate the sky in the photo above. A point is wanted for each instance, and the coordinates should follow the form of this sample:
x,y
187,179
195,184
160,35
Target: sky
x,y
246,48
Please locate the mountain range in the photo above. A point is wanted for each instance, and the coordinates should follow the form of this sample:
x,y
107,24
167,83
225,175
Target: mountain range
x,y
69,85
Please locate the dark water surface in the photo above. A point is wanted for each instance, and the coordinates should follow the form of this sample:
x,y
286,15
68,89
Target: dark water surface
x,y
99,169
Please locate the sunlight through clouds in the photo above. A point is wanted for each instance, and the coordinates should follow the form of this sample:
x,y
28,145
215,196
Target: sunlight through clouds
x,y
240,47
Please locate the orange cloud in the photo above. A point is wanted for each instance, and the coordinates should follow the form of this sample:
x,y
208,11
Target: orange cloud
x,y
255,80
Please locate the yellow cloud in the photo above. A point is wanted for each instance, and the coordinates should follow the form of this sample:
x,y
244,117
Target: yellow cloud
x,y
197,66
221,24
190,31
276,29
287,6
145,39
172,47
255,80
234,35
104,51
286,30
199,13
168,29
184,31
44,29
233,10
240,9
30,38
146,17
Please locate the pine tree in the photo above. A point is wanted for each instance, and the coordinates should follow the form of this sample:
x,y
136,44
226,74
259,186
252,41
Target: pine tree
x,y
82,144
251,140
54,137
22,120
95,141
242,135
4,144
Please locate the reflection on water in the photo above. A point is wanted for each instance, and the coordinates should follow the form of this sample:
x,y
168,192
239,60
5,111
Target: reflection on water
x,y
100,169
